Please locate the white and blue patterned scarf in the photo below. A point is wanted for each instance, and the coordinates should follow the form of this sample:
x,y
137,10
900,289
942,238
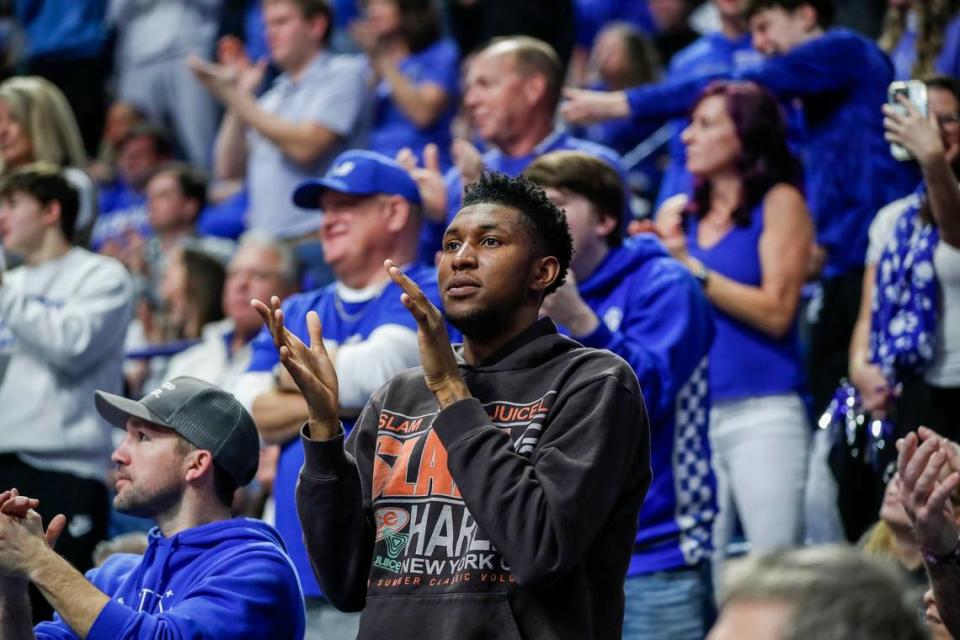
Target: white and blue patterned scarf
x,y
904,317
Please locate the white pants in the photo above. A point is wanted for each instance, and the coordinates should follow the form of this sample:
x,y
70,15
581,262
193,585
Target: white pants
x,y
760,447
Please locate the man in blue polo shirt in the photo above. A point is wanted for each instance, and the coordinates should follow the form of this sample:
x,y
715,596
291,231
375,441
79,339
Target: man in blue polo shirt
x,y
635,300
511,94
371,212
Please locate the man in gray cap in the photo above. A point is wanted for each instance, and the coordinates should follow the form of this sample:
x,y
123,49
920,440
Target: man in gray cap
x,y
188,446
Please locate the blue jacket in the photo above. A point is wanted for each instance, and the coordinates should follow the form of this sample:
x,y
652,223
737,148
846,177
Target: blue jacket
x,y
226,579
654,315
841,79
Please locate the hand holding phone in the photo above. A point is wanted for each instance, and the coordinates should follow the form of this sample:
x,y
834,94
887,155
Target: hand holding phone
x,y
916,92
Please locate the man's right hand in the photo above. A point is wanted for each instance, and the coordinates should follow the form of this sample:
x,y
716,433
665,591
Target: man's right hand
x,y
429,179
926,498
310,367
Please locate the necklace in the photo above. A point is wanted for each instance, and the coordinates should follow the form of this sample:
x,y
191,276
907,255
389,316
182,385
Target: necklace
x,y
345,315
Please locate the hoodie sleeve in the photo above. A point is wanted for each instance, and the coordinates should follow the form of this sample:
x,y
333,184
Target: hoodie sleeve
x,y
811,68
258,597
335,512
542,513
808,69
666,331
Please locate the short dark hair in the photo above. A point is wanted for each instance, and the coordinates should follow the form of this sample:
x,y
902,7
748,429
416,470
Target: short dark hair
x,y
311,9
535,56
824,8
224,486
46,183
545,223
944,83
587,176
162,145
192,183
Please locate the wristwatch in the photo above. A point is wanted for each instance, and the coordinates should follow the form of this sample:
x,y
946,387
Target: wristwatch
x,y
951,558
701,273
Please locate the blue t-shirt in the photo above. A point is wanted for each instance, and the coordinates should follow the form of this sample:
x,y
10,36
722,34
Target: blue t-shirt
x,y
744,361
439,65
343,323
122,210
64,29
591,16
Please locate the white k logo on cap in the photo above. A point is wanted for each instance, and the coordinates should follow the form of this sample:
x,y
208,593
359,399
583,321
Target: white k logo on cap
x,y
343,169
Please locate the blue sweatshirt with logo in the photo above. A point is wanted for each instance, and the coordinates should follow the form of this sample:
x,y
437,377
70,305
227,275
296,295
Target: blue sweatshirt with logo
x,y
225,579
654,315
841,79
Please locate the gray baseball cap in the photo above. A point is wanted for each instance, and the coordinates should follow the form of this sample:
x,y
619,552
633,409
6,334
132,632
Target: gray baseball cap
x,y
203,413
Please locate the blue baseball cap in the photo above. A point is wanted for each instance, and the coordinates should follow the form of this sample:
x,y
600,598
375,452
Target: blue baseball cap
x,y
359,173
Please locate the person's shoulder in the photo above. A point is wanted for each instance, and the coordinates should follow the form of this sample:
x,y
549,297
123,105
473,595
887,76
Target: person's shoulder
x,y
345,64
600,365
888,215
443,51
783,194
97,266
703,47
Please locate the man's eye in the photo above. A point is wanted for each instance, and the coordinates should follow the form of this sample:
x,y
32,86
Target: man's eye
x,y
491,242
452,245
142,437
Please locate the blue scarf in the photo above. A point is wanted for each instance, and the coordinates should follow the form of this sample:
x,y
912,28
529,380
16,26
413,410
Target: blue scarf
x,y
903,321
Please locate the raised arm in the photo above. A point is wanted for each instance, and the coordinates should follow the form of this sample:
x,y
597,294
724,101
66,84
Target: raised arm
x,y
921,136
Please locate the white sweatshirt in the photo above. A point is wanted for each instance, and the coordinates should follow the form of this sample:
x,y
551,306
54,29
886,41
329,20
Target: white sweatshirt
x,y
62,325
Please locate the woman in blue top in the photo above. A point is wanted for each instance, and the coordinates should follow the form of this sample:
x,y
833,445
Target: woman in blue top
x,y
747,236
417,74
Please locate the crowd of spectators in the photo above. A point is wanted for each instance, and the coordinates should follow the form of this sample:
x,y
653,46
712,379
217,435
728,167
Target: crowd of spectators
x,y
785,290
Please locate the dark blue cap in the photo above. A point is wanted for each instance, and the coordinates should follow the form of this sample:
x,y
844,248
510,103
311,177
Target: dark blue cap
x,y
358,173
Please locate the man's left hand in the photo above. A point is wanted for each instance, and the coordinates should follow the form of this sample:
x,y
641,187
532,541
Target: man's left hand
x,y
440,367
567,308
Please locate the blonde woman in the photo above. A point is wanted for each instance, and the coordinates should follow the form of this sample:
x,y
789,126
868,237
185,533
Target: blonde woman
x,y
922,38
37,125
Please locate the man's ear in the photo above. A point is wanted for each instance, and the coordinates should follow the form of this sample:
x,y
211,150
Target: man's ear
x,y
199,462
398,213
545,273
809,16
51,213
534,88
605,224
319,25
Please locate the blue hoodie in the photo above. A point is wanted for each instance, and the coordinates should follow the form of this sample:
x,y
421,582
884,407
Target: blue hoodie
x,y
654,315
225,579
841,79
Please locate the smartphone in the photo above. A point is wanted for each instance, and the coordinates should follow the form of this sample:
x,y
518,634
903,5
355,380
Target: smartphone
x,y
916,92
